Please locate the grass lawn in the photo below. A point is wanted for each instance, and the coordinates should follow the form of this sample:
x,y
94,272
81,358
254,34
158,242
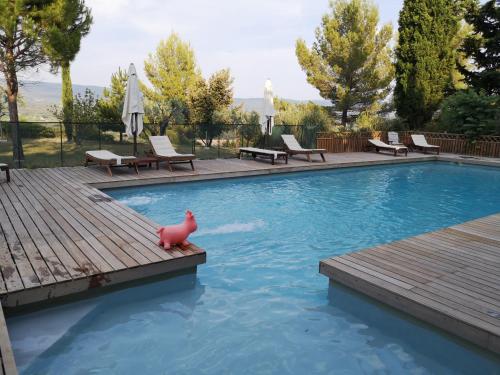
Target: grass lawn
x,y
46,152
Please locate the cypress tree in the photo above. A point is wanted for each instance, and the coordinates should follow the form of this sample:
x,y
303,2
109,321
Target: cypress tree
x,y
425,58
69,22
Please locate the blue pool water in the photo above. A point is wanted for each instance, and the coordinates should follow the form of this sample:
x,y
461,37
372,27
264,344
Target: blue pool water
x,y
259,305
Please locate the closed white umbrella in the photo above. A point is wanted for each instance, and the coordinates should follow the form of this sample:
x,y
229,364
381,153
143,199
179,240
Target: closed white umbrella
x,y
133,107
268,112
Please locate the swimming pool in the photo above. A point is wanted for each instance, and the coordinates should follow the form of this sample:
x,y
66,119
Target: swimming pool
x,y
259,304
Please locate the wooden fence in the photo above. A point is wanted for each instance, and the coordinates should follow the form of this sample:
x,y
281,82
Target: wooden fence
x,y
487,146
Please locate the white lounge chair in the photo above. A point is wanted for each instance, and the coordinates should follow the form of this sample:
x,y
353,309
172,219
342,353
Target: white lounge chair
x,y
268,154
163,150
294,148
108,159
393,138
420,143
379,145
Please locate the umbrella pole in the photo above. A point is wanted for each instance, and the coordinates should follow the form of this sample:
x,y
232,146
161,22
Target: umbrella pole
x,y
134,124
268,130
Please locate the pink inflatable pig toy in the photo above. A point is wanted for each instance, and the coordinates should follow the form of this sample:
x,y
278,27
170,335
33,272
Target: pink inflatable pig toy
x,y
177,234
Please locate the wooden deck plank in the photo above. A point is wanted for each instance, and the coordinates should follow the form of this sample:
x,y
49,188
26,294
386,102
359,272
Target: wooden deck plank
x,y
88,257
450,277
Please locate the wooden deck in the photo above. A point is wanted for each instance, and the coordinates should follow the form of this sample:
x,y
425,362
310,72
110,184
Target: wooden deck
x,y
7,362
449,278
60,236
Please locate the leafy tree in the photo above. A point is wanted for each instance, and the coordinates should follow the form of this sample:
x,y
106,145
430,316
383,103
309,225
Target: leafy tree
x,y
110,105
68,22
85,116
172,73
425,58
483,48
164,113
287,113
250,130
20,49
350,61
471,113
207,98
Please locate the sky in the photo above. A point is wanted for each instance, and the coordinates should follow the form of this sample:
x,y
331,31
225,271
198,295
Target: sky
x,y
254,38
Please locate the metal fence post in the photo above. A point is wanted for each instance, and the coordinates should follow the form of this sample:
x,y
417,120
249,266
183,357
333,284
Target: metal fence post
x,y
61,143
193,145
99,126
218,146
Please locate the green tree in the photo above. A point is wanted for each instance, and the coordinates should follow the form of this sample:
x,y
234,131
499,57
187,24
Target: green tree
x,y
68,22
471,113
483,47
350,61
86,117
20,49
110,105
207,99
172,72
425,58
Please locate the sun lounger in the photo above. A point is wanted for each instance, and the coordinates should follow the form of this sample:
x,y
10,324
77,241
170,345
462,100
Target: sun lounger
x,y
5,167
108,159
393,138
294,148
268,154
420,143
163,150
379,145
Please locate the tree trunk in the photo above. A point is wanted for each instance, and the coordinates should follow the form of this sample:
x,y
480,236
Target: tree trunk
x,y
12,91
344,116
67,101
164,126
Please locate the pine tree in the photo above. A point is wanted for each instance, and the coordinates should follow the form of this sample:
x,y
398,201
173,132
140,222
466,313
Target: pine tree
x,y
172,72
68,22
350,61
425,58
483,48
20,49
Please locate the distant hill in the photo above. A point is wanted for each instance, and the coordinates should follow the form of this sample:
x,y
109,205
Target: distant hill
x,y
38,97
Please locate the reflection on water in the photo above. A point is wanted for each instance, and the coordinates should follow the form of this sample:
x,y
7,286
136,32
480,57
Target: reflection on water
x,y
50,332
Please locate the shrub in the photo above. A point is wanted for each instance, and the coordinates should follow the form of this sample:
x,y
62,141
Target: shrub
x,y
32,130
470,113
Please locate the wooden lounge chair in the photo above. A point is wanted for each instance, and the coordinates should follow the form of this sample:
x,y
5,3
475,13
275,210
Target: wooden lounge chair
x,y
109,160
379,145
294,148
163,150
5,167
267,154
420,143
